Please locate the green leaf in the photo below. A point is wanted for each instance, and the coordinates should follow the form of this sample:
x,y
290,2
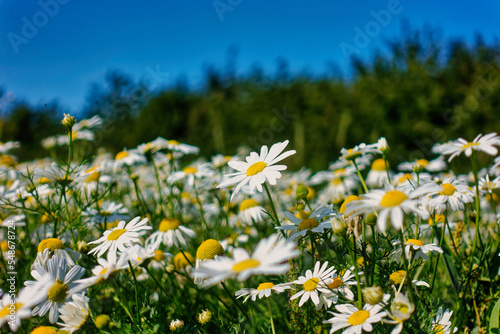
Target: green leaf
x,y
494,318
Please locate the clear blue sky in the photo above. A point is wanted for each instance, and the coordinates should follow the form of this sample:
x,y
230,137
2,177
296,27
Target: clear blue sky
x,y
78,41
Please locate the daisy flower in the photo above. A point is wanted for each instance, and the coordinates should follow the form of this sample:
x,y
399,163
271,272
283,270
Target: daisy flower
x,y
435,165
417,247
13,310
61,286
175,146
128,158
269,258
108,212
191,173
74,314
55,173
441,323
312,222
314,282
250,211
104,270
89,123
354,320
5,147
401,310
170,232
263,290
391,204
258,168
481,143
450,193
120,237
377,176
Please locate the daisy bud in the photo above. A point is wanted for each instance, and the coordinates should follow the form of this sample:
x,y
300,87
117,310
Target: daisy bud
x,y
204,317
176,324
418,168
68,121
300,206
373,295
134,176
301,192
371,219
402,308
169,268
339,227
82,246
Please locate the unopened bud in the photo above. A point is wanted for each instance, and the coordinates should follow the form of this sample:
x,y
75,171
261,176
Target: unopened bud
x,y
371,219
68,121
301,192
204,317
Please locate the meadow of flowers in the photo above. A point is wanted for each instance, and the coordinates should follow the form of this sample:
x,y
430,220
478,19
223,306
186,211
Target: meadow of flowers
x,y
156,239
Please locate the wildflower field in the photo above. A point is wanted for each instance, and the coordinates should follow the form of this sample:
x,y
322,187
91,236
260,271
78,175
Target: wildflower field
x,y
157,239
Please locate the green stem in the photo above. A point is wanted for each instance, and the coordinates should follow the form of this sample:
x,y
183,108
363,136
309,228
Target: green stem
x,y
235,301
271,315
387,168
355,264
407,267
439,254
121,301
478,213
136,293
360,176
273,208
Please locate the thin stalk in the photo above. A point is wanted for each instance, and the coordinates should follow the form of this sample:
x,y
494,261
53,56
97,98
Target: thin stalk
x,y
407,267
136,293
355,264
387,168
271,315
235,301
478,213
439,254
360,176
273,208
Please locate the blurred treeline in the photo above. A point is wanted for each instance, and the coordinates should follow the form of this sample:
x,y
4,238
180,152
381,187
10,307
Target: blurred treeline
x,y
419,91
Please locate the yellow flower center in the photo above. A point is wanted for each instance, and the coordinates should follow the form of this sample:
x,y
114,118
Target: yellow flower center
x,y
190,170
337,282
256,168
4,245
245,264
308,224
8,309
414,242
379,165
93,177
349,199
103,271
64,181
469,145
169,224
43,330
51,243
43,180
311,284
115,234
393,198
351,154
437,218
58,292
423,162
180,260
358,317
448,189
173,142
438,329
121,155
397,277
302,215
104,213
7,160
248,203
209,249
263,286
159,255
405,177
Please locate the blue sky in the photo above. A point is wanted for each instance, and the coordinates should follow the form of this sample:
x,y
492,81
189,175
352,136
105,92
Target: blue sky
x,y
73,43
